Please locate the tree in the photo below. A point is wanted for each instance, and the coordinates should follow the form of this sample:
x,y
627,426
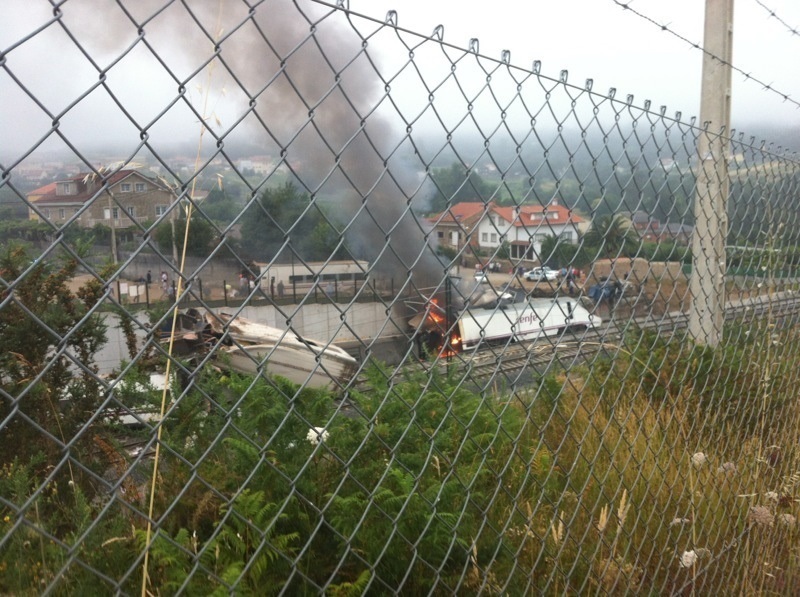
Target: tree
x,y
202,235
285,215
219,207
44,315
561,253
610,234
454,185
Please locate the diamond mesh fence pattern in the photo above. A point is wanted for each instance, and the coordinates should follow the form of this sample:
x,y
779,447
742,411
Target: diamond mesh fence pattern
x,y
294,301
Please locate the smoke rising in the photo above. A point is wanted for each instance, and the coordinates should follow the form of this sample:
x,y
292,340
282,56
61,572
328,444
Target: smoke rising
x,y
304,82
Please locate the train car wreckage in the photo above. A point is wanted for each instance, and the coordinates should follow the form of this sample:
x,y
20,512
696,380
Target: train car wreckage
x,y
250,347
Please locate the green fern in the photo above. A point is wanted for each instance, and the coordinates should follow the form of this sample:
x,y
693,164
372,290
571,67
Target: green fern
x,y
351,589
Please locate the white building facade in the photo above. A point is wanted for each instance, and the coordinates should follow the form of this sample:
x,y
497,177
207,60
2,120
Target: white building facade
x,y
524,228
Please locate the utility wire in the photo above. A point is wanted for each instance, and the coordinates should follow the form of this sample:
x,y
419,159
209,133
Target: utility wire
x,y
767,86
792,30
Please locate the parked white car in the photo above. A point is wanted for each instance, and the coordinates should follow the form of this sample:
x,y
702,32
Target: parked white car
x,y
541,274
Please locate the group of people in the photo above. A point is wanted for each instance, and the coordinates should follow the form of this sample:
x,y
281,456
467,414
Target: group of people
x,y
247,283
492,266
167,288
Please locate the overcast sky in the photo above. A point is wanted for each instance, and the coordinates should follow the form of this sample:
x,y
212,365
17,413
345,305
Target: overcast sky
x,y
597,39
589,38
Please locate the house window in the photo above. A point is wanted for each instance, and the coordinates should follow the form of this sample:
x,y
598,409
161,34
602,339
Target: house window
x,y
440,234
484,237
108,213
132,211
494,237
61,213
46,213
162,209
125,187
66,188
140,187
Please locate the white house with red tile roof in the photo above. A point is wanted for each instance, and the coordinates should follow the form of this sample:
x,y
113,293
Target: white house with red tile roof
x,y
488,226
124,196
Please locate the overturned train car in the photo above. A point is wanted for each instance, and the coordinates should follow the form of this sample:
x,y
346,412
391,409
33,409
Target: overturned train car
x,y
471,329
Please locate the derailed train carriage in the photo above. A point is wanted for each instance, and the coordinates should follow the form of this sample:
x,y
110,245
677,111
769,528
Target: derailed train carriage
x,y
440,333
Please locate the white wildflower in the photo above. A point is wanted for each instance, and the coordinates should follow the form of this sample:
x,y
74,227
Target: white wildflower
x,y
699,459
688,559
787,520
727,468
679,521
316,435
772,496
760,516
190,441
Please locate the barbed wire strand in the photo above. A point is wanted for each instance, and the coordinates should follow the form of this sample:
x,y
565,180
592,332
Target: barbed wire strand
x,y
773,14
699,46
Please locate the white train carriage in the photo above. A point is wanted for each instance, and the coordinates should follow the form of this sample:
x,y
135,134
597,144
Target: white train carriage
x,y
525,321
304,277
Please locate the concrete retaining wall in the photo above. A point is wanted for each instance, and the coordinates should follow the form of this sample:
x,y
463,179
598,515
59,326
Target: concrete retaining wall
x,y
360,325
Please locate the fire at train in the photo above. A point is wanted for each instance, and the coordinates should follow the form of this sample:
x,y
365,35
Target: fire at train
x,y
445,332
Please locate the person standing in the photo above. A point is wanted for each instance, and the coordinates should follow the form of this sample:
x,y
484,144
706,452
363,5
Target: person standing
x,y
280,289
149,277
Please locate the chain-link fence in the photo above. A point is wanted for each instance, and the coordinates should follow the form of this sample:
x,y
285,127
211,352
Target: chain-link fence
x,y
406,319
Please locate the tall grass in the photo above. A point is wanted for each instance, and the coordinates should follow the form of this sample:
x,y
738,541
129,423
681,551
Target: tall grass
x,y
660,467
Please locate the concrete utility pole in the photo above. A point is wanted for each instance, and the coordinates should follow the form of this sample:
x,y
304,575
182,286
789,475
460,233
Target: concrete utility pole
x,y
707,284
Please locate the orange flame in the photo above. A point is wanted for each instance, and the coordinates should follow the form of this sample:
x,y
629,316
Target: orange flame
x,y
435,312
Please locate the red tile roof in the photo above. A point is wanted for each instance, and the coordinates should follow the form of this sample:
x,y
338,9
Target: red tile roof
x,y
536,214
528,214
45,190
88,185
460,212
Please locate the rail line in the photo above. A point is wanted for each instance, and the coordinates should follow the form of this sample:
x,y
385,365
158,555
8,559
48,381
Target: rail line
x,y
569,348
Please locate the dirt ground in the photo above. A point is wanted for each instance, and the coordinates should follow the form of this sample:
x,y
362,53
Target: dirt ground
x,y
154,289
654,287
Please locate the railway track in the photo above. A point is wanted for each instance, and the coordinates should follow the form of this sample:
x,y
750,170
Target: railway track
x,y
569,348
